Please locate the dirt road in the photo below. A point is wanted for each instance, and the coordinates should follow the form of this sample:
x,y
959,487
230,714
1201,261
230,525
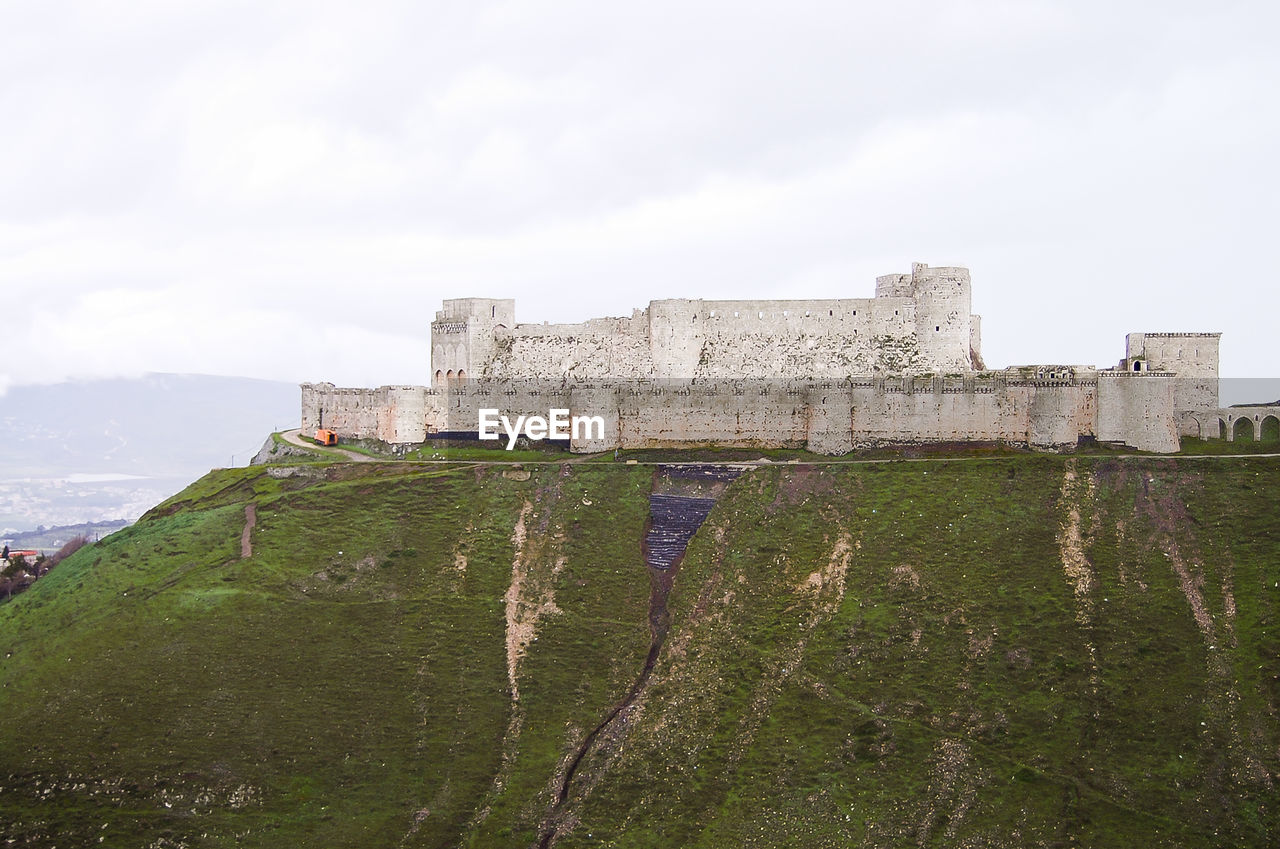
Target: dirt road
x,y
294,437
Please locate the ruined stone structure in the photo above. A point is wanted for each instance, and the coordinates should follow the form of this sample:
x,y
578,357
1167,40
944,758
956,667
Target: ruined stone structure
x,y
828,375
917,323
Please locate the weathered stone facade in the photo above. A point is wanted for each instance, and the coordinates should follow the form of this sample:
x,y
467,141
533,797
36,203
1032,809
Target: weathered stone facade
x,y
1192,356
917,323
829,375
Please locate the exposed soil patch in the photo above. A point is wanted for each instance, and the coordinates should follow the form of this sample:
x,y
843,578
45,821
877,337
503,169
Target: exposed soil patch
x,y
526,604
1165,507
246,537
1071,542
904,576
800,483
1167,512
952,791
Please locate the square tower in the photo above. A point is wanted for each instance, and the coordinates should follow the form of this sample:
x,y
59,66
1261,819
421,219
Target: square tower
x,y
462,337
1193,357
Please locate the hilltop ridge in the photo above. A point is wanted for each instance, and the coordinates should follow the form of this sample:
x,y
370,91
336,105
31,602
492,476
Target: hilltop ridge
x,y
1029,650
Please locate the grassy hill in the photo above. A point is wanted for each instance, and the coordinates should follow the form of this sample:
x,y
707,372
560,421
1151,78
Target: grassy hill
x,y
1033,651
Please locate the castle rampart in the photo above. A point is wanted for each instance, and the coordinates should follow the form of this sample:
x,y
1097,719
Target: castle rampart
x,y
919,323
824,416
830,375
1193,357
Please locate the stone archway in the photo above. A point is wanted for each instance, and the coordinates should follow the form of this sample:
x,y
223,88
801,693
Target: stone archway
x,y
439,377
1270,430
1224,432
1242,429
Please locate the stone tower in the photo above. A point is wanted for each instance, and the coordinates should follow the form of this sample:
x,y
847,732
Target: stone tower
x,y
945,328
464,337
943,331
1193,357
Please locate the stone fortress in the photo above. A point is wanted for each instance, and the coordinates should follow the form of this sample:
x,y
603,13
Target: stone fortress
x,y
903,367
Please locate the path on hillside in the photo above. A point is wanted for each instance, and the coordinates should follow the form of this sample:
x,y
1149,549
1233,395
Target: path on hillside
x,y
294,437
246,538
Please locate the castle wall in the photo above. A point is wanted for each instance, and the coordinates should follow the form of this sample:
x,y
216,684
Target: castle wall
x,y
1137,409
595,401
804,339
829,417
569,354
357,413
404,417
744,413
902,367
989,408
1192,356
906,411
917,323
723,340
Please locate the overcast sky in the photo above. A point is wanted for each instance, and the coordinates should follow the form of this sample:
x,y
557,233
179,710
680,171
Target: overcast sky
x,y
289,189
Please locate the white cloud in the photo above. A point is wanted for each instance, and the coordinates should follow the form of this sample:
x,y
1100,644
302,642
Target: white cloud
x,y
288,190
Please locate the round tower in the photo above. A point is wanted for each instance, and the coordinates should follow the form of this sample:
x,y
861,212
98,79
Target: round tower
x,y
943,327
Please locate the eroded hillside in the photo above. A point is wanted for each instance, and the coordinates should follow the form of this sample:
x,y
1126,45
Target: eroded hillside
x,y
1015,652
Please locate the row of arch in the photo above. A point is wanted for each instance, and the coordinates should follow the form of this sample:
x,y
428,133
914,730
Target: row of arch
x,y
1243,429
1250,430
450,377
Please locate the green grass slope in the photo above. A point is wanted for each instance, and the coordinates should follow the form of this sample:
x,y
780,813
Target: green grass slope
x,y
1034,651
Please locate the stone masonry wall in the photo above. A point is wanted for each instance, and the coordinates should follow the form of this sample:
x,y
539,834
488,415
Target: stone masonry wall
x,y
917,323
1138,410
396,414
902,367
825,416
1192,356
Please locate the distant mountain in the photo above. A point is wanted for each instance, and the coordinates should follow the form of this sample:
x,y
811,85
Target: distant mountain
x,y
109,449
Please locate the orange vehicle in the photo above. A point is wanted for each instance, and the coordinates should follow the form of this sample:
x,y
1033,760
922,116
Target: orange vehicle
x,y
326,437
